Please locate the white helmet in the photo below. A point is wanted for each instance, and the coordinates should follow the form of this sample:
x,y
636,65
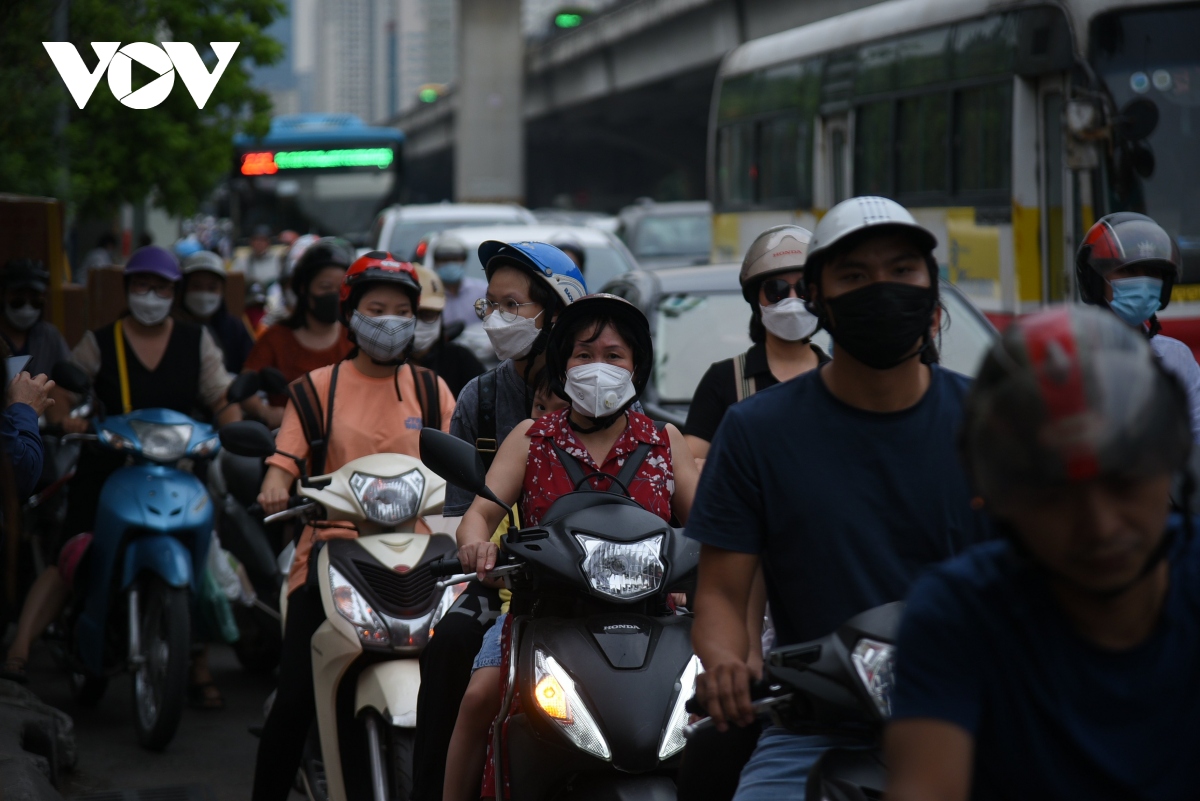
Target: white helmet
x,y
204,261
858,214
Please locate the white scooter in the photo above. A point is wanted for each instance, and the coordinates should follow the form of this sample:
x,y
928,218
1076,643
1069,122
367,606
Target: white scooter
x,y
381,603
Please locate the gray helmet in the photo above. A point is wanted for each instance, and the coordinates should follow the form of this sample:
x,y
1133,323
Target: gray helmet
x,y
850,218
449,248
1071,394
204,261
780,249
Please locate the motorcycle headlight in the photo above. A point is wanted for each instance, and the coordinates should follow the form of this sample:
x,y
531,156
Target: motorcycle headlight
x,y
351,605
873,663
556,695
673,740
162,442
388,501
623,570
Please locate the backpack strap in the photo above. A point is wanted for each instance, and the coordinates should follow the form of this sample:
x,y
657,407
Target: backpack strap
x,y
315,419
485,441
576,473
743,384
426,382
572,466
637,456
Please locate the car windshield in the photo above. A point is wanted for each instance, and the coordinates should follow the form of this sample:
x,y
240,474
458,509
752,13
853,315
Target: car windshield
x,y
1152,55
407,235
601,264
693,330
677,235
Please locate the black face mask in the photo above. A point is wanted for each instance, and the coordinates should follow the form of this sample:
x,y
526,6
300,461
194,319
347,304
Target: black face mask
x,y
325,307
880,323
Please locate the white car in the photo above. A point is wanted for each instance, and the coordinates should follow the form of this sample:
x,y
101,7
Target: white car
x,y
605,258
399,229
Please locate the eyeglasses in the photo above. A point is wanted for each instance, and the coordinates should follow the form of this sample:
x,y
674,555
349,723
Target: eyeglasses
x,y
146,287
507,309
776,289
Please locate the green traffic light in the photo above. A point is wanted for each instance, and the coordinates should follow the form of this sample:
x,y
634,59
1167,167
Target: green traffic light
x,y
568,20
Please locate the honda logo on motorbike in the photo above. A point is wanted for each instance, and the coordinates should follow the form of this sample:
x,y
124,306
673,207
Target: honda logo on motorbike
x,y
166,60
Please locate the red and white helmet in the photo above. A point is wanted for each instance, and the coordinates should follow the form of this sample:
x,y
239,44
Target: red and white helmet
x,y
374,268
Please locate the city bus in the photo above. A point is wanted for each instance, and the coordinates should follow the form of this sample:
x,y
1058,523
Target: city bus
x,y
1006,126
321,173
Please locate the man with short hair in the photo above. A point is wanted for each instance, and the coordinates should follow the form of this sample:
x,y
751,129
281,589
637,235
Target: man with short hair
x,y
1060,661
843,483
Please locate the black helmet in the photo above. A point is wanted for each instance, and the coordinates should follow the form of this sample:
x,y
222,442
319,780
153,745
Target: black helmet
x,y
329,251
587,311
1120,240
24,274
1071,394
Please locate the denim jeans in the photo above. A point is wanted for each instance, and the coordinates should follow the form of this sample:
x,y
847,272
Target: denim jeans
x,y
779,767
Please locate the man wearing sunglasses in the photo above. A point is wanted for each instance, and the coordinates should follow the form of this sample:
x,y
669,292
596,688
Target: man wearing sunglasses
x,y
843,483
23,291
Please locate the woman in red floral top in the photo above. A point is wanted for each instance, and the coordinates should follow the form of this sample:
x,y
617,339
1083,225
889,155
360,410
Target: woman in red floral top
x,y
599,356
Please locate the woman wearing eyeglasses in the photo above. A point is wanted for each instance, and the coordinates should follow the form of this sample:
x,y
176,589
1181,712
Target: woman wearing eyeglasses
x,y
780,327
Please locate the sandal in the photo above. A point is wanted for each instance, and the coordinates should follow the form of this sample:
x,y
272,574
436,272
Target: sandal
x,y
13,669
205,695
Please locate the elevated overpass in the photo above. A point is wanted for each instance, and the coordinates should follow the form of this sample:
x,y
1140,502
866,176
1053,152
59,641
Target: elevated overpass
x,y
618,107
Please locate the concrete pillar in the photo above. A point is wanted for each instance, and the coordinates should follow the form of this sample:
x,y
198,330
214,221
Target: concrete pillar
x,y
489,137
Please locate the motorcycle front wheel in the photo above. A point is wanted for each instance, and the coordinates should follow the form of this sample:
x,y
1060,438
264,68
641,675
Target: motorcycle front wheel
x,y
160,681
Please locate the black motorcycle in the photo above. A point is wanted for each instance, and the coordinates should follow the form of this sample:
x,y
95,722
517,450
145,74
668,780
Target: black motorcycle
x,y
600,667
839,686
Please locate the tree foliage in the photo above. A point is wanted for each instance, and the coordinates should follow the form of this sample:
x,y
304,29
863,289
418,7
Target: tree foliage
x,y
116,154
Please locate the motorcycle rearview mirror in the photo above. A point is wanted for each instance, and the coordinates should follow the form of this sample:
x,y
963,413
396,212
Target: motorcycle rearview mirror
x,y
272,381
248,438
244,387
458,462
71,377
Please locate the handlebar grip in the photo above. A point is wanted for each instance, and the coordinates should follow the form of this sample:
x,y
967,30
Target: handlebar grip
x,y
694,707
445,567
256,510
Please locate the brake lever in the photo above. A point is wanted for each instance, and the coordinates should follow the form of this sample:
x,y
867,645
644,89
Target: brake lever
x,y
494,573
288,514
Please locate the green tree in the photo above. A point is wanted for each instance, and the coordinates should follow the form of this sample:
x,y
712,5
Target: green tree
x,y
116,154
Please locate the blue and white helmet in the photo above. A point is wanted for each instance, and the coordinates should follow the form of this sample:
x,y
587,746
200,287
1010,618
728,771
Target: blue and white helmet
x,y
541,260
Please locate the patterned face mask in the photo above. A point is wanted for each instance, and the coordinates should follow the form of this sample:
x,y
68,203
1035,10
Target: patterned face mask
x,y
385,339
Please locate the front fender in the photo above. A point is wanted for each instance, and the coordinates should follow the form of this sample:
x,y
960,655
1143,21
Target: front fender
x,y
161,555
391,689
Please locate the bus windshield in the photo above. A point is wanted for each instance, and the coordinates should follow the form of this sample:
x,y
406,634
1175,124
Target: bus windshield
x,y
1152,54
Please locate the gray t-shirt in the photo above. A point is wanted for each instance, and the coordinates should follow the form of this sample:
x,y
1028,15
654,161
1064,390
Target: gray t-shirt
x,y
510,411
45,348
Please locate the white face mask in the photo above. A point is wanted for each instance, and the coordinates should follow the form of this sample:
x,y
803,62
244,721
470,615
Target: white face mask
x,y
511,340
789,320
202,304
23,318
426,334
149,309
385,338
598,389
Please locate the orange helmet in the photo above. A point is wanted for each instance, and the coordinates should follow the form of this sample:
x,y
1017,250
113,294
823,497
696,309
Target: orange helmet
x,y
378,267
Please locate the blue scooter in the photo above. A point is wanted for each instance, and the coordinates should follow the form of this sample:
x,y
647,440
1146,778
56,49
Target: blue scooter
x,y
151,537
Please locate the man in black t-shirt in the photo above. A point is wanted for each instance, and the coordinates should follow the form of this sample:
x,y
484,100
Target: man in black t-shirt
x,y
843,483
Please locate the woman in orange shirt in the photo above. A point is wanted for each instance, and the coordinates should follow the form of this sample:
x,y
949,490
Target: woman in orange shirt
x,y
312,336
376,408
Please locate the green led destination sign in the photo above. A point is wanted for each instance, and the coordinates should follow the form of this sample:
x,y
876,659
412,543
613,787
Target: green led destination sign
x,y
269,163
568,20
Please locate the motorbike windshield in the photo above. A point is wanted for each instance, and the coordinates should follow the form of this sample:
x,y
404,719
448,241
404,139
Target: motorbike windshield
x,y
1152,54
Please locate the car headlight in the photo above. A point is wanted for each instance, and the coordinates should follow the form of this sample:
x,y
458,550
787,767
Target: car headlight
x,y
388,501
162,442
206,447
873,663
673,739
351,605
624,570
555,694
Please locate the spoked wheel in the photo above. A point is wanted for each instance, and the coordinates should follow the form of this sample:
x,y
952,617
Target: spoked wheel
x,y
160,681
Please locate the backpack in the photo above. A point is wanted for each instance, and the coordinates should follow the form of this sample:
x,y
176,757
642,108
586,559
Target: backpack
x,y
304,396
744,385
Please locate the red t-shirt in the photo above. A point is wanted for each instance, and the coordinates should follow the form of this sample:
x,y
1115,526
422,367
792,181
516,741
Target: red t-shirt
x,y
546,480
278,347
